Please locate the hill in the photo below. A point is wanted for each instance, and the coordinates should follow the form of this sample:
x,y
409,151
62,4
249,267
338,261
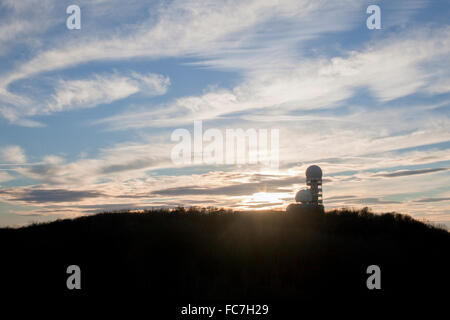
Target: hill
x,y
217,255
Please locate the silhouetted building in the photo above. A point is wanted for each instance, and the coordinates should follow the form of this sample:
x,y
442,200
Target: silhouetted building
x,y
309,198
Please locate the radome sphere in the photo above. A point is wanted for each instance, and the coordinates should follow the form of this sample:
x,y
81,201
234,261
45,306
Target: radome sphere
x,y
303,196
313,172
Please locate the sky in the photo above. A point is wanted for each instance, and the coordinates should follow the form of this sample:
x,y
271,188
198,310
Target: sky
x,y
87,115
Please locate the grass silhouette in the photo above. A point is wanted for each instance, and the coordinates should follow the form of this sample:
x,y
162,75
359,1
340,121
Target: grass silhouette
x,y
215,254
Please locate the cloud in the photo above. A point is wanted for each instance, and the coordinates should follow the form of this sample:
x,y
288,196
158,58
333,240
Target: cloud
x,y
104,89
433,199
49,195
181,28
192,27
339,198
371,201
5,176
12,155
83,93
311,83
142,163
403,173
258,206
230,35
120,162
23,22
347,135
234,190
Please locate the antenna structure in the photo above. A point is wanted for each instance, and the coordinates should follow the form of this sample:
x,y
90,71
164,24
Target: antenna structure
x,y
314,182
309,199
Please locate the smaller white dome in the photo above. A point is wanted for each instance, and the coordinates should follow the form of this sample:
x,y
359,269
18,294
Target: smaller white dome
x,y
303,196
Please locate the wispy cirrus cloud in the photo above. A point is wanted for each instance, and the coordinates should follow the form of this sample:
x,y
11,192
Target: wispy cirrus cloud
x,y
104,89
84,93
192,27
403,173
5,176
270,185
312,83
120,162
433,199
24,22
33,195
12,155
181,28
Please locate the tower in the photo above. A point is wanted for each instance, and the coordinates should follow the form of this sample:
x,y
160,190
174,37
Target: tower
x,y
309,199
314,182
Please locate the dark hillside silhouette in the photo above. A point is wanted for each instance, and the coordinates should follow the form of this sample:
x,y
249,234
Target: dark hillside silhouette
x,y
213,254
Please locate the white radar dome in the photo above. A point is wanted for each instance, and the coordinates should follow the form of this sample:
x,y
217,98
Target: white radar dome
x,y
314,172
303,196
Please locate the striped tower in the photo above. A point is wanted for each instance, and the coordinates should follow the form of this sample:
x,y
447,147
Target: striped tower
x,y
314,181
